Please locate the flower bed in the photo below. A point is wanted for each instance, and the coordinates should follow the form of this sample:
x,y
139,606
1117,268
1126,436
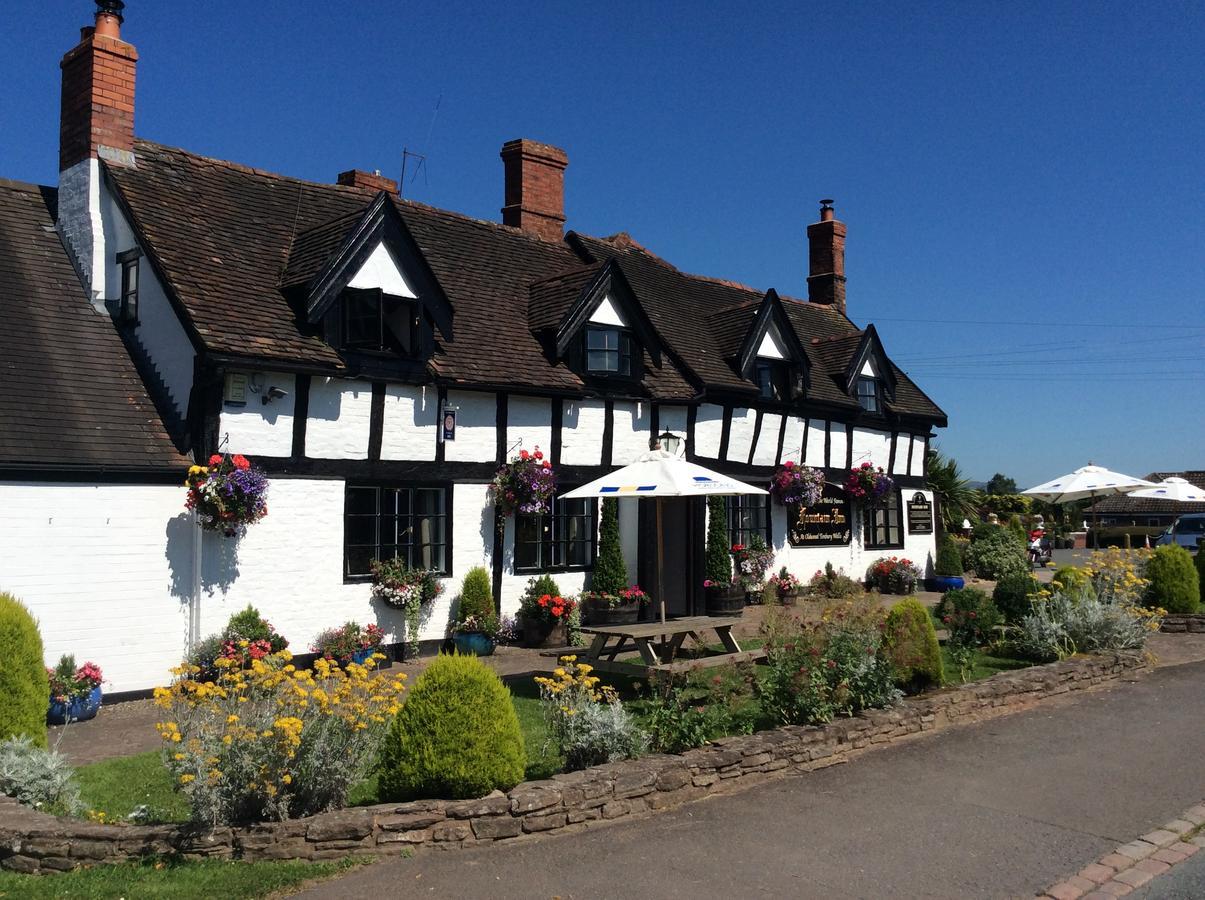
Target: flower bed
x,y
34,842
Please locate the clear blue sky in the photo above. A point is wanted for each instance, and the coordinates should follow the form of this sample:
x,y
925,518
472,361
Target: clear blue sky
x,y
1024,183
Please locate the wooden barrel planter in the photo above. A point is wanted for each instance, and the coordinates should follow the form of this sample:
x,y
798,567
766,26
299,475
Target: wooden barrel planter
x,y
725,601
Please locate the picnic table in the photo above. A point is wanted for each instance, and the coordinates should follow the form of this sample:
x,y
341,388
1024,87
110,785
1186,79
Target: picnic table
x,y
659,643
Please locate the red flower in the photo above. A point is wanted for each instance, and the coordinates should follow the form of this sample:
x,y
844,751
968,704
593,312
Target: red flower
x,y
523,454
538,454
547,464
241,462
543,601
215,459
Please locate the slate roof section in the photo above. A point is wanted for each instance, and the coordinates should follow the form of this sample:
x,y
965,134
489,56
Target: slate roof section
x,y
70,396
550,298
1125,505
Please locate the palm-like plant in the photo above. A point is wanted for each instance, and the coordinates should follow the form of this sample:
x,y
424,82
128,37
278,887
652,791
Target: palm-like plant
x,y
956,499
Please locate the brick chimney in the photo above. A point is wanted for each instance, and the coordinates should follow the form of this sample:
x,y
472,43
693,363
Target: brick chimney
x,y
96,123
535,188
97,117
826,259
370,181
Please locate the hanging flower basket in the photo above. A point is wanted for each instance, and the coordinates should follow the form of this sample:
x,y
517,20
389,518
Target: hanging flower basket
x,y
526,484
228,495
794,485
868,482
408,590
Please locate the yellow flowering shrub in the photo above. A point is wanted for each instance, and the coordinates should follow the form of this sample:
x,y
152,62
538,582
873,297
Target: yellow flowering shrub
x,y
585,719
271,741
1115,575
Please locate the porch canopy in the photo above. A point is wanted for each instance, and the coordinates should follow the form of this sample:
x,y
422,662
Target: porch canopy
x,y
657,474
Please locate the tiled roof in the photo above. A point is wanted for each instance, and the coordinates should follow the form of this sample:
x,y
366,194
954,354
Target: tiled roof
x,y
232,241
70,395
1123,504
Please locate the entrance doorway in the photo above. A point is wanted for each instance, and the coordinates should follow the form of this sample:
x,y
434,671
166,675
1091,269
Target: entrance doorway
x,y
681,575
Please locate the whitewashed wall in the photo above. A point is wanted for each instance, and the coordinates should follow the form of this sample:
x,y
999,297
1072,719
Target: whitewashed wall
x,y
583,424
476,427
257,428
411,422
106,570
339,419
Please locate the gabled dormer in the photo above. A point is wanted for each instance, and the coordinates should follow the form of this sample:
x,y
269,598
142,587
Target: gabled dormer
x,y
603,334
374,298
869,377
771,355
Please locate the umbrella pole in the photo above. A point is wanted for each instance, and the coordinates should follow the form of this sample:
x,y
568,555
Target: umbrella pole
x,y
660,563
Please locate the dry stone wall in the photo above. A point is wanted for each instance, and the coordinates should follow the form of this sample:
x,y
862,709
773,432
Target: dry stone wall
x,y
1175,623
36,843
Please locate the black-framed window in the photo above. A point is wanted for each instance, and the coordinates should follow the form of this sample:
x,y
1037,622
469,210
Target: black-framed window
x,y
868,393
883,524
562,541
128,308
773,379
381,522
376,321
748,515
609,350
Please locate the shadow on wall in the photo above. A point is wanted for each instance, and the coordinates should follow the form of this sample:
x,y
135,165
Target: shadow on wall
x,y
219,558
325,400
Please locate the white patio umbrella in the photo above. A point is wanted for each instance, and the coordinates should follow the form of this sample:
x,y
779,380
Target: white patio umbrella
x,y
1087,482
657,474
1178,490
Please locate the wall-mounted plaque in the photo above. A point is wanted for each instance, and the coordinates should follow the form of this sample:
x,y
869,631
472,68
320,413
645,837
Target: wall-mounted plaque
x,y
827,524
920,515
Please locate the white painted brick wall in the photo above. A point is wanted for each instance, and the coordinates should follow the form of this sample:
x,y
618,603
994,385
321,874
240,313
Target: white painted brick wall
x,y
475,427
632,431
792,441
814,452
709,428
411,422
672,419
106,570
766,453
583,424
740,434
529,424
836,445
339,419
871,446
918,456
260,429
900,465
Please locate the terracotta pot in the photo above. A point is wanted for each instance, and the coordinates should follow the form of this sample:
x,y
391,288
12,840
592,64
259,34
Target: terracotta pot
x,y
596,613
725,601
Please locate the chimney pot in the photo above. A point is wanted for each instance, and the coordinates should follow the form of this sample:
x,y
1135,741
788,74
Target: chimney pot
x,y
826,259
534,188
109,18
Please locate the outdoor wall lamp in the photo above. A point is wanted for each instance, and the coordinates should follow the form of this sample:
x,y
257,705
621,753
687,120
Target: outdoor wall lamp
x,y
669,442
273,393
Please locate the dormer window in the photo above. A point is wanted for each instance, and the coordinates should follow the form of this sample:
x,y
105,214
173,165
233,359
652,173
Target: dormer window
x,y
379,322
608,350
773,379
868,393
127,311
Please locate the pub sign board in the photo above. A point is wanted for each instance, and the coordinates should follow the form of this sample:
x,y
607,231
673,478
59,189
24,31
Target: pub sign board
x,y
827,524
920,514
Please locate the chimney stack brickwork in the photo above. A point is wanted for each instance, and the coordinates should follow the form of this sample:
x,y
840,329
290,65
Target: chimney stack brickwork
x,y
535,188
371,181
826,259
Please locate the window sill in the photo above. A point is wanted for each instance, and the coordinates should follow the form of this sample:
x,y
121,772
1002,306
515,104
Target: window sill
x,y
558,570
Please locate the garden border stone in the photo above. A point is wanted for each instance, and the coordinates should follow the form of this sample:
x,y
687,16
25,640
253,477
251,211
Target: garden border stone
x,y
33,842
1181,623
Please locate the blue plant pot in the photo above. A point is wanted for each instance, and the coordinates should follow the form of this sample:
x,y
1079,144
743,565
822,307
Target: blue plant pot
x,y
361,656
477,643
943,583
77,709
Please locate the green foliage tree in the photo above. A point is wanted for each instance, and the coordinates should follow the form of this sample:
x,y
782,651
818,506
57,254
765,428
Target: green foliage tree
x,y
1017,528
1000,484
476,595
910,643
1174,583
1013,596
996,552
456,736
610,569
949,559
24,685
956,499
718,562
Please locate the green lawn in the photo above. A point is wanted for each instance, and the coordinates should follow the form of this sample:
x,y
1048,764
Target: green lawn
x,y
985,665
118,786
169,880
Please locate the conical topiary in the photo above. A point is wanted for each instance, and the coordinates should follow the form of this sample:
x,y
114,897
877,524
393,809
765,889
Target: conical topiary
x,y
476,595
610,569
24,685
718,563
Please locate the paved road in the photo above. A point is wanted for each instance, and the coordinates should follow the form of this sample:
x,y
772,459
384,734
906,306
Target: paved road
x,y
999,809
1184,882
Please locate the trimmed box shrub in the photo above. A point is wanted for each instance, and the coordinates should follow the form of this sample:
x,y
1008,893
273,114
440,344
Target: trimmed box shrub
x,y
996,554
949,560
1174,584
457,736
910,643
24,684
476,595
610,569
717,564
1013,594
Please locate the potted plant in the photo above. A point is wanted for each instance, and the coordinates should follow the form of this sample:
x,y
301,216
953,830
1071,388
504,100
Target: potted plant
x,y
795,485
75,694
349,643
545,620
868,482
622,608
752,562
603,603
396,584
947,568
723,597
476,627
228,495
526,484
787,586
893,575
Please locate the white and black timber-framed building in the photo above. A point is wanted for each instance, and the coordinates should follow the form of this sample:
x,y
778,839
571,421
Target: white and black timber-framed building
x,y
158,305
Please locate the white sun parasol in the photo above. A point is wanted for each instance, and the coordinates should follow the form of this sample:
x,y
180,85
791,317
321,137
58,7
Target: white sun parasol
x,y
657,474
1088,482
1178,490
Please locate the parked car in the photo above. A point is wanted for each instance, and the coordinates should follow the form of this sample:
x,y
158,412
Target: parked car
x,y
1185,531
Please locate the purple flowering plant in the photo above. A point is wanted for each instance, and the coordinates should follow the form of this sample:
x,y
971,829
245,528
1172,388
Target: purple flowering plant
x,y
797,485
526,484
868,482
